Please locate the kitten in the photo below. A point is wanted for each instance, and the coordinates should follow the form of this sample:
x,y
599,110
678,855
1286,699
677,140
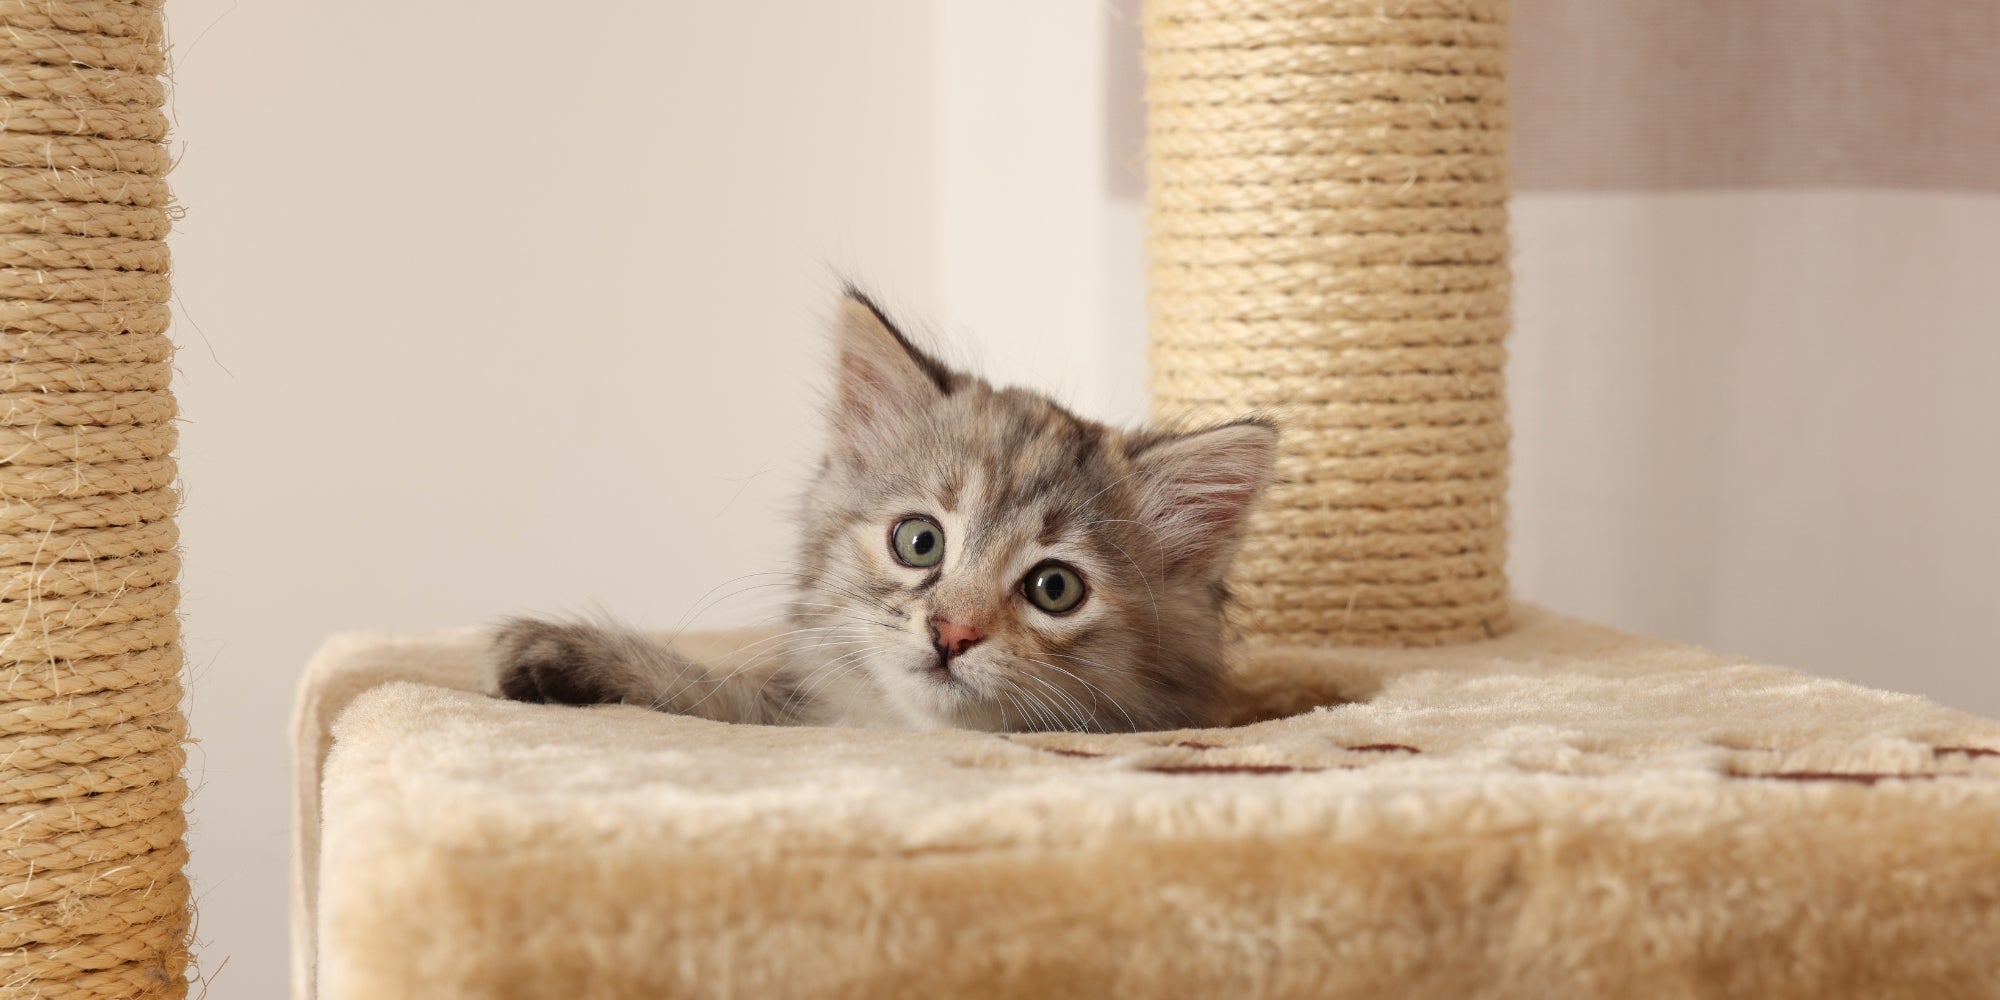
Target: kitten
x,y
973,557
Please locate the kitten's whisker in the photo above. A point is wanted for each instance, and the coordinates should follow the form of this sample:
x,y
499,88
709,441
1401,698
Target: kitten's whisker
x,y
767,640
838,587
861,626
1079,505
700,674
1158,632
825,674
797,645
1107,668
688,617
1159,544
840,583
1043,720
840,611
1071,708
796,696
792,648
835,611
1094,689
1059,715
1088,662
1027,725
1013,695
851,620
783,711
720,682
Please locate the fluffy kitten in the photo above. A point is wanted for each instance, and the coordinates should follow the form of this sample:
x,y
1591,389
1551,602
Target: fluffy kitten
x,y
973,557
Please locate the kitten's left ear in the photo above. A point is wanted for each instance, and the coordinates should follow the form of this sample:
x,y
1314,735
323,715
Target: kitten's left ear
x,y
884,380
1199,487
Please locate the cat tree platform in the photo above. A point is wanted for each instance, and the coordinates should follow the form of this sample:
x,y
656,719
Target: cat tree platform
x,y
1564,811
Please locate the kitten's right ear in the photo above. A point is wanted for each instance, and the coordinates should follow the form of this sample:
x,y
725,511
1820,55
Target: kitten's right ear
x,y
885,382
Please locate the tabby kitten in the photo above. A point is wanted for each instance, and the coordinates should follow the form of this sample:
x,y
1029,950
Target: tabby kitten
x,y
972,557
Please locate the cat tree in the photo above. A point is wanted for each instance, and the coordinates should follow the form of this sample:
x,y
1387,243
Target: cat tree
x,y
1329,243
1493,801
93,902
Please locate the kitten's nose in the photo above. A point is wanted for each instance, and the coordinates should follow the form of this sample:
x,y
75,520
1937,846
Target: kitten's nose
x,y
951,638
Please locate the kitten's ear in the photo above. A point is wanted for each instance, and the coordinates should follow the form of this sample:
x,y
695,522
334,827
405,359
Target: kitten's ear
x,y
1200,485
884,381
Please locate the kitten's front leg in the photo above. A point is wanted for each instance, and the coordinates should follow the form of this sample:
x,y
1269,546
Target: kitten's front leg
x,y
562,663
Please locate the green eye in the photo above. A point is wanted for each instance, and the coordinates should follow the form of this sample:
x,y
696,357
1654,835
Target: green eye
x,y
1053,587
917,541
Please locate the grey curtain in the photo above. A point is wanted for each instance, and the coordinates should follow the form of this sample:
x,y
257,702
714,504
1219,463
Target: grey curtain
x,y
1756,366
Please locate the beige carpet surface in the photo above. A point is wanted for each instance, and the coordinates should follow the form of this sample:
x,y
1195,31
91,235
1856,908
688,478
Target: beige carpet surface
x,y
1565,811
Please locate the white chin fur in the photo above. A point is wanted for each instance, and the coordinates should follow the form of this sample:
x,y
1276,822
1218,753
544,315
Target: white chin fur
x,y
921,701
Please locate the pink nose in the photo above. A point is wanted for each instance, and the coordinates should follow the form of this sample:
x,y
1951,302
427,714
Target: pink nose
x,y
953,638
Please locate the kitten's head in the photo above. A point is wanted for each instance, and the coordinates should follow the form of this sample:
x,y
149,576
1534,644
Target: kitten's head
x,y
995,562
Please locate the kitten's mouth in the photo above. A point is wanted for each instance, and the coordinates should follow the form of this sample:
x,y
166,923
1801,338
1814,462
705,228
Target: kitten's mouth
x,y
939,671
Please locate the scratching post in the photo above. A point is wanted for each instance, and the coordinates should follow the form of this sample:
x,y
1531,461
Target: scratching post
x,y
93,902
1329,245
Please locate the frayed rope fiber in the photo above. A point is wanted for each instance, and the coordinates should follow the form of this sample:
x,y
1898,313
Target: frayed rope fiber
x,y
93,900
1328,244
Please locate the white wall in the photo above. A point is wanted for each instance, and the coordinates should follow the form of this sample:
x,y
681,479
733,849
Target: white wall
x,y
1032,262
485,310
1765,421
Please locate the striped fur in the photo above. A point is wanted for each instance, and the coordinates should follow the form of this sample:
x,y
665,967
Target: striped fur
x,y
1148,520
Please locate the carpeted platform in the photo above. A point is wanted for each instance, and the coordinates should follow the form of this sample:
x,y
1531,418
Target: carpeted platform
x,y
1564,811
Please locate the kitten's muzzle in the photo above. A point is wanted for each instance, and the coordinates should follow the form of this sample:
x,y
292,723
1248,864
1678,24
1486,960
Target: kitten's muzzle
x,y
951,639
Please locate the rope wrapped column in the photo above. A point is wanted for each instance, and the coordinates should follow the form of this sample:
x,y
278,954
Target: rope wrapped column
x,y
1327,195
93,900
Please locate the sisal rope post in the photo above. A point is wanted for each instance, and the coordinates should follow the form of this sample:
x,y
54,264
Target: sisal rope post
x,y
93,900
1328,242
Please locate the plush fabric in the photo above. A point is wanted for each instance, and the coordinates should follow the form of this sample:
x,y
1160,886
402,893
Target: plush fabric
x,y
1566,811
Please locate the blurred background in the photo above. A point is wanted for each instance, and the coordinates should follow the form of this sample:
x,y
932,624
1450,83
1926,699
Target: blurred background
x,y
487,310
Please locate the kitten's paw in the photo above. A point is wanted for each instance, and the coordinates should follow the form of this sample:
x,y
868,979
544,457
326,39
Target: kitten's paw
x,y
552,663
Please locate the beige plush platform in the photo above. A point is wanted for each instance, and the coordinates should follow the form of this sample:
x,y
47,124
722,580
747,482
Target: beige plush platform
x,y
1567,811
